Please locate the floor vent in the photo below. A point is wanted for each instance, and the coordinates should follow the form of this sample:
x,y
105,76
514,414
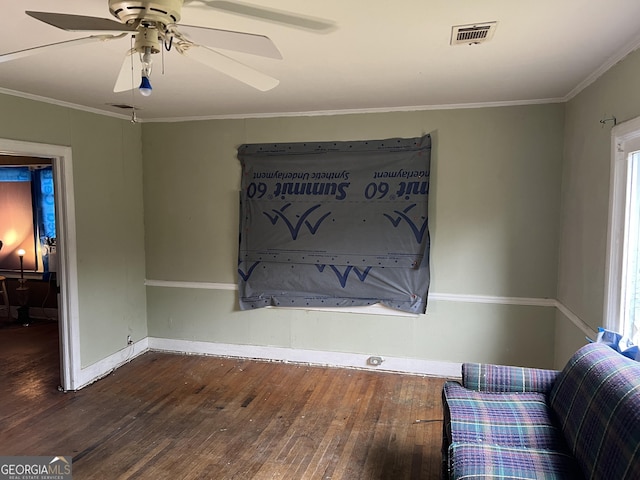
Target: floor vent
x,y
472,34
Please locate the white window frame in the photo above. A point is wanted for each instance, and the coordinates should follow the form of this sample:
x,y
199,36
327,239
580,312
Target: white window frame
x,y
625,139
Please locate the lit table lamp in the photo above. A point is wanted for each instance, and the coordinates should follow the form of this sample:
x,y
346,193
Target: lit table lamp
x,y
21,253
23,293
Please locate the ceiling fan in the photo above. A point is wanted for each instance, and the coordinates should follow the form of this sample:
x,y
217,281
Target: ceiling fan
x,y
154,24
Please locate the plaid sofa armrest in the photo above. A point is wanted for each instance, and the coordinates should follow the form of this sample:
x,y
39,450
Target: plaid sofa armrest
x,y
484,377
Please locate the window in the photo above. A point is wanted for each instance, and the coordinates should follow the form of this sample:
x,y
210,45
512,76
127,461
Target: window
x,y
335,224
622,296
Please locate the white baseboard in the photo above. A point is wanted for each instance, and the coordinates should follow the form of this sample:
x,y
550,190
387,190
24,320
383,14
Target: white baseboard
x,y
311,357
102,368
412,366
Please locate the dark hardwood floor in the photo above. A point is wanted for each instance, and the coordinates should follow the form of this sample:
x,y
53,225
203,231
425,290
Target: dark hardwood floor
x,y
166,416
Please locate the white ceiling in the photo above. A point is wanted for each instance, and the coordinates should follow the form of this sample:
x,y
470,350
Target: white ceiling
x,y
381,55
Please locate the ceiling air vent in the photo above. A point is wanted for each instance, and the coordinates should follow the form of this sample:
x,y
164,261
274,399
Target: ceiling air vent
x,y
472,34
123,106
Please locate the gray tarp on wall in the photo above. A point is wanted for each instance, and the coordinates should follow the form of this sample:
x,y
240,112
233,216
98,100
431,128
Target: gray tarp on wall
x,y
335,224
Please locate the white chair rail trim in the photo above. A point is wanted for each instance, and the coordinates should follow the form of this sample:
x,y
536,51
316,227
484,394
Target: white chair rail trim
x,y
440,297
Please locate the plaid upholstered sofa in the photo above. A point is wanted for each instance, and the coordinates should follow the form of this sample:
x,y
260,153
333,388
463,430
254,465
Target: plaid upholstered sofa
x,y
523,423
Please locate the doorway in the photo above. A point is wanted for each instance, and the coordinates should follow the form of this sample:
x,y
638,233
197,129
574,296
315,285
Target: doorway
x,y
28,237
68,321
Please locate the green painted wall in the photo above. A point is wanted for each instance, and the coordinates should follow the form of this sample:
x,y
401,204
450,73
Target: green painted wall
x,y
509,184
494,221
585,195
107,176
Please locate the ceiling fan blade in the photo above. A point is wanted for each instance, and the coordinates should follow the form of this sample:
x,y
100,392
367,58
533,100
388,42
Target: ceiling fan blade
x,y
231,67
79,23
27,52
230,40
129,76
272,15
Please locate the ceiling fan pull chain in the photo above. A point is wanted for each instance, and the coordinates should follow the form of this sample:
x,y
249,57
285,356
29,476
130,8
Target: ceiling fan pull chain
x,y
167,46
134,118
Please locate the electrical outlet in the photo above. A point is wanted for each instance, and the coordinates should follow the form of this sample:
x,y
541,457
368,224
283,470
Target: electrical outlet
x,y
375,361
129,341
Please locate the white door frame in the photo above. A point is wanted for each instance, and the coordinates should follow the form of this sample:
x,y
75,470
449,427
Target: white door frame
x,y
69,322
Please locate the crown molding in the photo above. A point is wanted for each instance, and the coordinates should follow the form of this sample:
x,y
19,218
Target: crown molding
x,y
60,103
619,56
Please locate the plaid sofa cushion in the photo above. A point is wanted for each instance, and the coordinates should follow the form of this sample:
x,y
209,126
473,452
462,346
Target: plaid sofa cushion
x,y
472,460
506,419
596,399
502,378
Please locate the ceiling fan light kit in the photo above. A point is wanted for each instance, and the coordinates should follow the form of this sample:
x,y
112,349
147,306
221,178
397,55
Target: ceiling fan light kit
x,y
146,44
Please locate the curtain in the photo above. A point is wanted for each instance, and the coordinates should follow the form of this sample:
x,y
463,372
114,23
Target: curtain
x,y
15,174
45,211
335,224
